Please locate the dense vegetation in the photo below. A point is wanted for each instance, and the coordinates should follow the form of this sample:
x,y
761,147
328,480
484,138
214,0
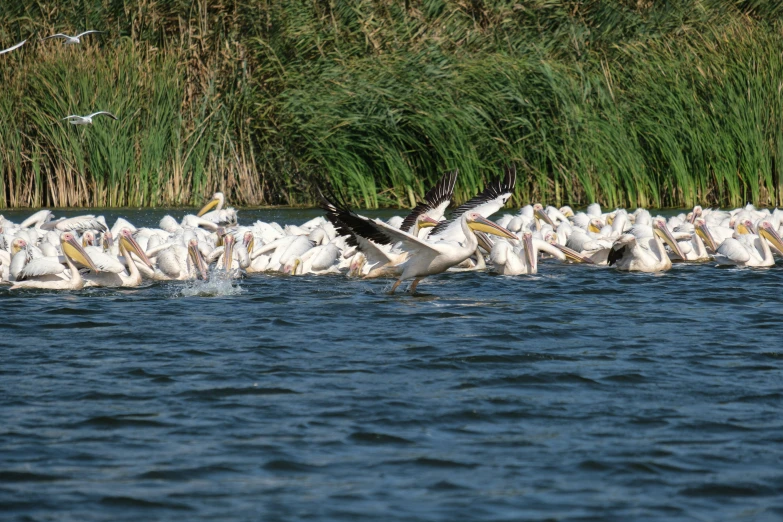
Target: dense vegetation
x,y
623,102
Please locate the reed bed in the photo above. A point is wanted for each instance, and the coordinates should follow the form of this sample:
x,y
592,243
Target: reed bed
x,y
621,102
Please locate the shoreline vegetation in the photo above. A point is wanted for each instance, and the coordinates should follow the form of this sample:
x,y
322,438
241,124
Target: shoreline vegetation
x,y
623,102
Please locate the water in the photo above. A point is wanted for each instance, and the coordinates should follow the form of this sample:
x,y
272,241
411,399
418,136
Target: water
x,y
578,394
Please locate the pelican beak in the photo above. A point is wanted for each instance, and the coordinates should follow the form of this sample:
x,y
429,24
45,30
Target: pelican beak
x,y
357,266
197,259
482,224
610,219
540,214
75,251
704,233
250,244
108,241
209,206
427,222
484,241
573,255
131,245
527,242
771,235
742,229
297,262
594,229
662,231
228,253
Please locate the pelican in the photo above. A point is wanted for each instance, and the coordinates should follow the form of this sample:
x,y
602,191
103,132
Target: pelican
x,y
748,249
509,260
643,249
13,47
50,272
214,212
72,40
75,119
425,258
133,278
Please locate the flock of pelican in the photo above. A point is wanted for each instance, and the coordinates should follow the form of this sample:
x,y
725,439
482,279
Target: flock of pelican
x,y
78,252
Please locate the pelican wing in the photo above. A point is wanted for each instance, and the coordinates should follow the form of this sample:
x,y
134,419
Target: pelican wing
x,y
105,113
105,262
77,224
437,199
620,248
732,251
171,263
491,199
12,48
359,228
42,266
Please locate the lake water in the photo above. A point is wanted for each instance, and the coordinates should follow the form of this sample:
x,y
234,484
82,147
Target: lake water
x,y
581,393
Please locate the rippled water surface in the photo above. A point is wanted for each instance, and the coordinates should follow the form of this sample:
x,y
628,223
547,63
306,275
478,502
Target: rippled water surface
x,y
578,394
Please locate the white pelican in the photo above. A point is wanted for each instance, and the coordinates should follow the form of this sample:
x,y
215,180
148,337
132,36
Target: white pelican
x,y
508,259
642,250
75,119
214,212
121,279
13,47
748,249
425,258
48,272
71,40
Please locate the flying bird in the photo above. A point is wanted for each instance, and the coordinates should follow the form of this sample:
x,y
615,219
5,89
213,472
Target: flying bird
x,y
17,46
75,119
71,40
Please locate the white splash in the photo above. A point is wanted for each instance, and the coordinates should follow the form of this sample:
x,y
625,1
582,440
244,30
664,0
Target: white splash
x,y
219,284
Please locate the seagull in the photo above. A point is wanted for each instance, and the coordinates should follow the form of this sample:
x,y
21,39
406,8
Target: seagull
x,y
17,46
71,40
75,119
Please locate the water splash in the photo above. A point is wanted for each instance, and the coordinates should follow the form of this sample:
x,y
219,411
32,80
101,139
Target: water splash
x,y
219,284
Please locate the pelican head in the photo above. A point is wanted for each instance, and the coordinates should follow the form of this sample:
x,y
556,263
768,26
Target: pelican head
x,y
249,241
595,226
215,203
567,211
128,242
88,239
695,213
662,231
704,233
108,240
768,232
197,258
357,264
538,211
745,226
478,222
17,245
424,221
74,251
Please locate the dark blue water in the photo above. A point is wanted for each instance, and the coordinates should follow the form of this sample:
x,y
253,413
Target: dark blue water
x,y
578,394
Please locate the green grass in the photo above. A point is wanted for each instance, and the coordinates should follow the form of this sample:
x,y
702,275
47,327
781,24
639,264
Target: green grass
x,y
625,102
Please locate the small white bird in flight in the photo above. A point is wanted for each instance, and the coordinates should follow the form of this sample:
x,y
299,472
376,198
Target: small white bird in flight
x,y
75,119
17,46
71,40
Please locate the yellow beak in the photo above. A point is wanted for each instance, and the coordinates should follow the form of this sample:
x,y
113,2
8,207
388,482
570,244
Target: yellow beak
x,y
209,206
482,224
75,251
